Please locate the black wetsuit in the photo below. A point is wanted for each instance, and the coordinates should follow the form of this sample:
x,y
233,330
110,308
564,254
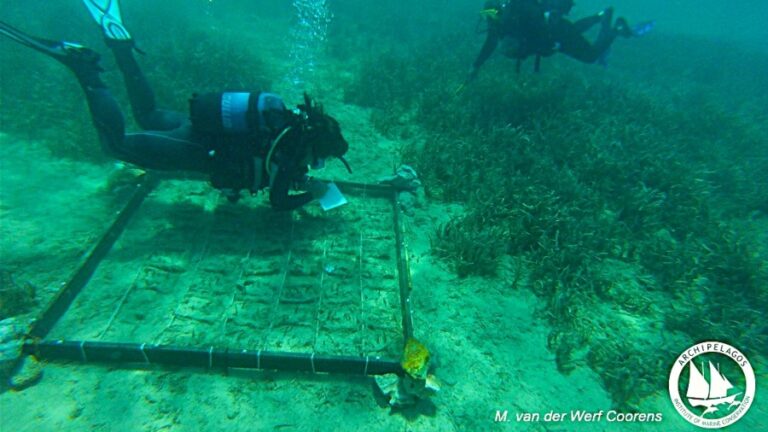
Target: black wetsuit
x,y
170,142
530,30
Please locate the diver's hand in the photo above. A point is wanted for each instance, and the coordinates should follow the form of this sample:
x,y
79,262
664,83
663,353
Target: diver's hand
x,y
472,74
470,77
317,188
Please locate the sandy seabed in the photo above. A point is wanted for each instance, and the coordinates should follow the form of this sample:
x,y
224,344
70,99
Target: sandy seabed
x,y
194,270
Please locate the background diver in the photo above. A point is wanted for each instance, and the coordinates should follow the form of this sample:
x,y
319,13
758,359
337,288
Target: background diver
x,y
243,141
539,28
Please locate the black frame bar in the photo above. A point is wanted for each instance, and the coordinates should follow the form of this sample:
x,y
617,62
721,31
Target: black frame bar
x,y
210,357
66,295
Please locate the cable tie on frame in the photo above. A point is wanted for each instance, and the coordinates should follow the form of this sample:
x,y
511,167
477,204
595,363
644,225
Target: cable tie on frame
x,y
144,354
82,352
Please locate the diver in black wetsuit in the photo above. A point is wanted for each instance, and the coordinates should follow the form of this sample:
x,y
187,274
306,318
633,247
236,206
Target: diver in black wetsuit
x,y
244,141
539,28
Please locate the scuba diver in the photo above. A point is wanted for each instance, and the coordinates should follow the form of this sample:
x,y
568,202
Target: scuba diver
x,y
539,28
243,141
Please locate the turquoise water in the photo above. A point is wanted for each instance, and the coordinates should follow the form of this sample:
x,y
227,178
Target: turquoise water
x,y
576,229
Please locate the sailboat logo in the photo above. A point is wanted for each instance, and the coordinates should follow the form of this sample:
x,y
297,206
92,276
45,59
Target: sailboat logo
x,y
710,394
711,401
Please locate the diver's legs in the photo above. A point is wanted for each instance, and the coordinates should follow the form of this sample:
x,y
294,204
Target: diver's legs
x,y
106,13
622,28
84,63
140,93
574,44
587,23
172,150
164,150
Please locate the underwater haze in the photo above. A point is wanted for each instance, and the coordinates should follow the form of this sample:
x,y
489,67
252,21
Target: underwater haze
x,y
517,243
740,22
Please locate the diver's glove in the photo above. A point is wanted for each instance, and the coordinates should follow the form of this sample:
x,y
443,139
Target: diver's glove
x,y
473,72
317,188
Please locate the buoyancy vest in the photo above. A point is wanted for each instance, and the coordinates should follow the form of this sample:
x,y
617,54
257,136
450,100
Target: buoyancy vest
x,y
238,129
526,23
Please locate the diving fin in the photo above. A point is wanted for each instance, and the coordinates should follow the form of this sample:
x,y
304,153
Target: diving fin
x,y
106,13
71,54
638,30
643,28
45,46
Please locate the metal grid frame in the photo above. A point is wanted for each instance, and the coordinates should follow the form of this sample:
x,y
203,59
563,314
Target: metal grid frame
x,y
211,356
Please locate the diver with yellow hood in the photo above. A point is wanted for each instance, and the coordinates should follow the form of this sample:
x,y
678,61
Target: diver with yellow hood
x,y
539,28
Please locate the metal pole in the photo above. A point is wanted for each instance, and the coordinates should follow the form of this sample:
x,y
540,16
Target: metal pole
x,y
404,272
210,357
66,295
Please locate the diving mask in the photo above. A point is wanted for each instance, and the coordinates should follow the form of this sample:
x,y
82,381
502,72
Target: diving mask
x,y
317,163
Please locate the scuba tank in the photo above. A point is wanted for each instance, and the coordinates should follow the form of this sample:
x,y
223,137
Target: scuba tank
x,y
558,7
237,128
236,113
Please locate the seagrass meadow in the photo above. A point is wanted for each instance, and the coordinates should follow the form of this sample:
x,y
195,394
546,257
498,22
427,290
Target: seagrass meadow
x,y
631,202
576,229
